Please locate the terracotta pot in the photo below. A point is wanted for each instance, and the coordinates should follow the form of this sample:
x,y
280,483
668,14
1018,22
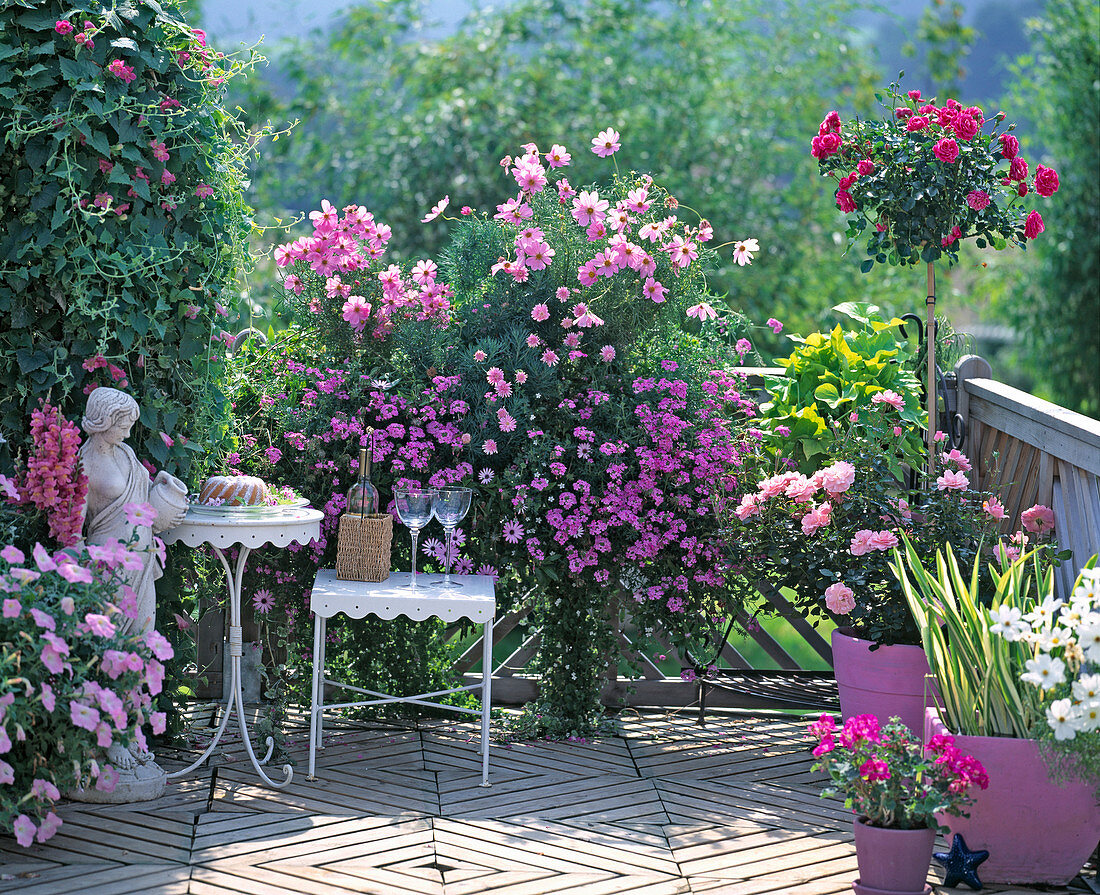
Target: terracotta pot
x,y
1035,830
892,861
887,681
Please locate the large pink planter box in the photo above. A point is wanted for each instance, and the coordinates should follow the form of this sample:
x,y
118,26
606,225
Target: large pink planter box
x,y
1035,830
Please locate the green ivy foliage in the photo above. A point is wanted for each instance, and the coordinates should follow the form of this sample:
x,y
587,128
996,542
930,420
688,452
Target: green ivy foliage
x,y
121,177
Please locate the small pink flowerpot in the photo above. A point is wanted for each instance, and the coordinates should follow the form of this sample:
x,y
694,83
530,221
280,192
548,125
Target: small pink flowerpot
x,y
891,680
892,861
1035,830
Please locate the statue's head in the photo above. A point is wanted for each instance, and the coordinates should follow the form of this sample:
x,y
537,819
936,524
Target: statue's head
x,y
107,408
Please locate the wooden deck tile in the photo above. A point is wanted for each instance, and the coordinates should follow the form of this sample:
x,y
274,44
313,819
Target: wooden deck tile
x,y
667,809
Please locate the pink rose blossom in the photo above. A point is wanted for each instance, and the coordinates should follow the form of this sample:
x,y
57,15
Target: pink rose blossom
x,y
883,540
977,199
994,508
838,478
861,542
839,599
952,481
818,517
946,150
1037,518
889,397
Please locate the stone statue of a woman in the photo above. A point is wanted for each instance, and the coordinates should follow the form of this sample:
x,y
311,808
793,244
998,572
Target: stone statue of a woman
x,y
115,480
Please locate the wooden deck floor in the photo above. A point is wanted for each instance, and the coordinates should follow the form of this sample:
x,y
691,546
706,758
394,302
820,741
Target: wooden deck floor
x,y
729,809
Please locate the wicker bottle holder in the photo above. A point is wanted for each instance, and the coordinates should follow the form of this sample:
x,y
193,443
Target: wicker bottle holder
x,y
363,547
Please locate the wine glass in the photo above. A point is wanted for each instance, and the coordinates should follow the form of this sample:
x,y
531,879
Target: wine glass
x,y
414,508
450,507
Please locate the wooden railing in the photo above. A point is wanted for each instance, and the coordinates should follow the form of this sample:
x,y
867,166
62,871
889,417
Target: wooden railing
x,y
1037,453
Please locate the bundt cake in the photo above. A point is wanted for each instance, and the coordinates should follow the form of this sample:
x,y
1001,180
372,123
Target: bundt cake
x,y
233,491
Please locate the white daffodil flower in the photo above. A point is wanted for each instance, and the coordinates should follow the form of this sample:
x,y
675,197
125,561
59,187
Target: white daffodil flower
x,y
1062,720
1044,671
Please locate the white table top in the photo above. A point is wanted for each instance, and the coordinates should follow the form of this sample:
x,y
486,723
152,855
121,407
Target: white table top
x,y
278,528
475,600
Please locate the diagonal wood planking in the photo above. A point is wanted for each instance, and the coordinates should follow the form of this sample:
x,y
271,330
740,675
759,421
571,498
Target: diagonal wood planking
x,y
668,808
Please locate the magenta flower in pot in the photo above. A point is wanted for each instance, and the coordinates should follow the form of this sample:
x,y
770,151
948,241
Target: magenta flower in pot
x,y
896,786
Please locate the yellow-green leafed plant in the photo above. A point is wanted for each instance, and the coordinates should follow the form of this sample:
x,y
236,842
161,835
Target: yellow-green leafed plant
x,y
977,670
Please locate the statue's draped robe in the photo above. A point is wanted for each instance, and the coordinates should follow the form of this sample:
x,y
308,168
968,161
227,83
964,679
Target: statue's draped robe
x,y
110,523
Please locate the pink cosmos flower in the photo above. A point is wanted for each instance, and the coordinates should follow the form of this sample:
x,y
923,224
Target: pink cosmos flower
x,y
356,311
589,208
994,508
654,290
952,481
743,251
558,156
702,311
889,397
839,598
606,143
1037,518
437,210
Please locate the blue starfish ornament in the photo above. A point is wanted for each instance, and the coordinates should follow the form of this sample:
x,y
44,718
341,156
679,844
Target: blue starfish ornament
x,y
961,864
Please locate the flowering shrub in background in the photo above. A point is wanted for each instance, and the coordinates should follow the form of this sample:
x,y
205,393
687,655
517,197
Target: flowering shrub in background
x,y
552,361
887,775
924,177
70,685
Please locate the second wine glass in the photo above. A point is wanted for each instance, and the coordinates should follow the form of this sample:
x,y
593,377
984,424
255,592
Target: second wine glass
x,y
414,509
450,507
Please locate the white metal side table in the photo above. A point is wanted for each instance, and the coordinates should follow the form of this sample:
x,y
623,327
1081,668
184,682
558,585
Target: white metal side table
x,y
278,527
475,600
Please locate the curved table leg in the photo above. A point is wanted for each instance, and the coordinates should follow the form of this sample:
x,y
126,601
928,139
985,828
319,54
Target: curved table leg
x,y
233,583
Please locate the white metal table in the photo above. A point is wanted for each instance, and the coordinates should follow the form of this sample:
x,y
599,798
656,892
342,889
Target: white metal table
x,y
279,527
475,600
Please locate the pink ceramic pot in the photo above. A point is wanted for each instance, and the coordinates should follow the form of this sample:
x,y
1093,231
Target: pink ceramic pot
x,y
887,681
892,861
1035,830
